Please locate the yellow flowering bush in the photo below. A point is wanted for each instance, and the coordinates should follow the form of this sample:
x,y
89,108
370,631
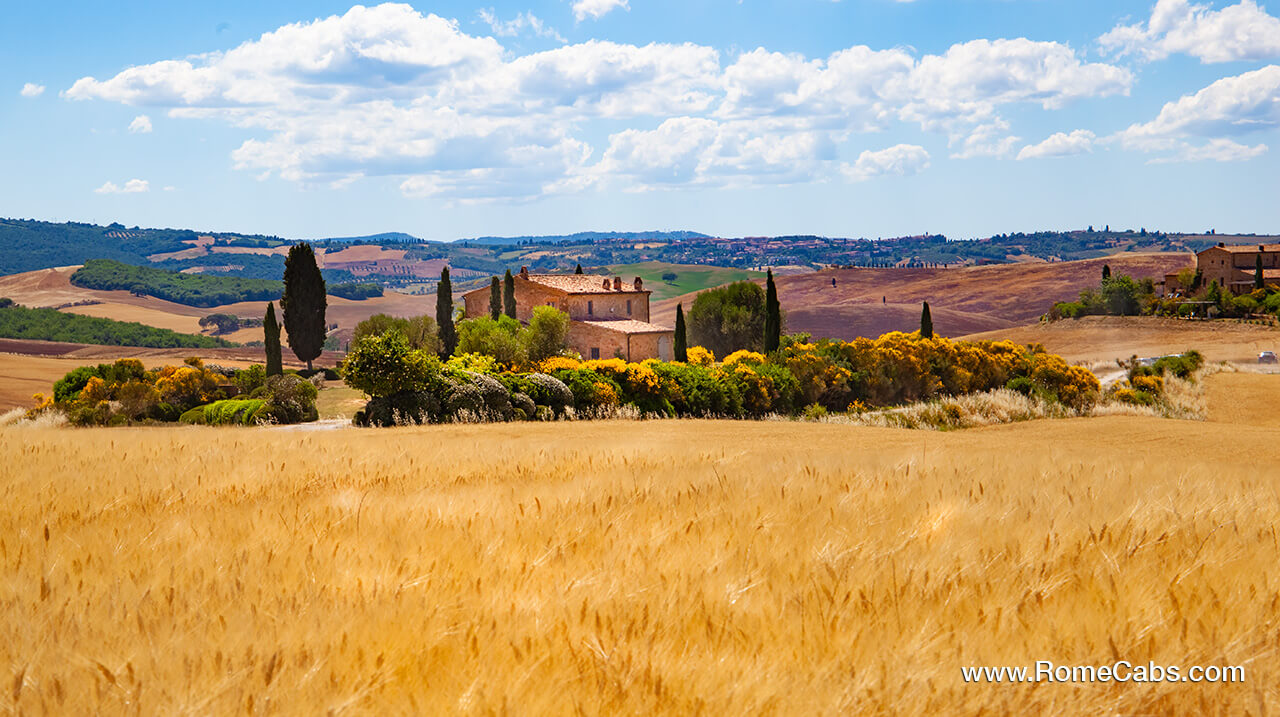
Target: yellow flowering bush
x,y
698,356
1150,384
751,358
555,363
1075,386
473,362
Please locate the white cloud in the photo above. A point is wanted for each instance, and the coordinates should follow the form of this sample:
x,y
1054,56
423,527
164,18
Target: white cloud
x,y
1231,105
133,186
1243,31
517,26
901,160
1060,144
388,92
31,89
990,139
140,124
596,9
1217,150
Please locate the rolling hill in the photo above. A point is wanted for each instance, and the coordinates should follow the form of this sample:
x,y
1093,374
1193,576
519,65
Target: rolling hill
x,y
689,277
965,300
52,288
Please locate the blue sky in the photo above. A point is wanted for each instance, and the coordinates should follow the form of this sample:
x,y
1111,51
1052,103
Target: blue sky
x,y
445,120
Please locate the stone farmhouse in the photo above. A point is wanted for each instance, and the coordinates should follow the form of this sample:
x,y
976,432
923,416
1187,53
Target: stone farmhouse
x,y
1233,265
608,318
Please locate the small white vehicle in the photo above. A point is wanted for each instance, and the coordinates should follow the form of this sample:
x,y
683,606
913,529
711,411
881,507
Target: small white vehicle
x,y
1267,357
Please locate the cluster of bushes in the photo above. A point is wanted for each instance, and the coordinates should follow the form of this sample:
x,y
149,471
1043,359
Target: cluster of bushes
x,y
1145,384
187,289
408,385
227,323
1115,296
125,393
356,292
1190,296
20,322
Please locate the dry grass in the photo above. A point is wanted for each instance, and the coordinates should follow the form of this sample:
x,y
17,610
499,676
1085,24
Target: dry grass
x,y
1103,339
616,567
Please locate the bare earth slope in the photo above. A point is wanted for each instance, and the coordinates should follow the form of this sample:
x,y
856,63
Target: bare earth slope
x,y
962,300
666,567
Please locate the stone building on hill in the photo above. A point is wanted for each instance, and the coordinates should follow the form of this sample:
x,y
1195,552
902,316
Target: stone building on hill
x,y
1234,265
608,317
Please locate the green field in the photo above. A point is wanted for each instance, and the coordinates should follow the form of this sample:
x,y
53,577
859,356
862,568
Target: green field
x,y
689,277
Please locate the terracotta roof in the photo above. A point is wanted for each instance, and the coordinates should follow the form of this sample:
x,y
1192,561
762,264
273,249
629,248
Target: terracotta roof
x,y
1246,248
628,326
1266,274
583,283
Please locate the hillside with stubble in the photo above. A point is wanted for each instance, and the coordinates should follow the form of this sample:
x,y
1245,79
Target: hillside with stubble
x,y
964,300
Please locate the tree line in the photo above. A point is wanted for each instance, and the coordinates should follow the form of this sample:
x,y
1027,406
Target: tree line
x,y
20,322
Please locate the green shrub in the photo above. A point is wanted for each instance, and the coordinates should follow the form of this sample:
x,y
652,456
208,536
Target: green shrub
x,y
524,405
464,397
815,412
250,379
290,399
1022,385
416,407
548,391
229,412
385,365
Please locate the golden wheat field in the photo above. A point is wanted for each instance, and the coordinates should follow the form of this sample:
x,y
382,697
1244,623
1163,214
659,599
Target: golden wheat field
x,y
676,567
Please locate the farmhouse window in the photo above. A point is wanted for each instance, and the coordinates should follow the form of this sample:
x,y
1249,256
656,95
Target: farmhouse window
x,y
628,307
591,310
595,353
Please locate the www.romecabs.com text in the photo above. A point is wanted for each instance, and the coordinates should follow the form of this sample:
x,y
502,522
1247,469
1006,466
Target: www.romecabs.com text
x,y
1121,671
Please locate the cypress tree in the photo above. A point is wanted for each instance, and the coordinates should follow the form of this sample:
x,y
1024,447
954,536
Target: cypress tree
x,y
495,299
303,303
271,340
444,315
578,270
1106,272
509,294
682,344
772,316
926,322
1257,273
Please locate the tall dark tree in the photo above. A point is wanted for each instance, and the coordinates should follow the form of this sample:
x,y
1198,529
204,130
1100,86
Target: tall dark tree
x,y
682,343
772,316
926,322
444,315
509,295
578,270
271,340
1106,272
303,303
495,299
1257,273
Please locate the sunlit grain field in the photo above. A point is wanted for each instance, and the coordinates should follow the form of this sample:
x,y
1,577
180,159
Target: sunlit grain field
x,y
622,567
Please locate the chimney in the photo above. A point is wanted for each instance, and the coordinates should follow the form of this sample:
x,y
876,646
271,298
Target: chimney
x,y
1221,244
524,272
1262,247
639,284
617,283
605,283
